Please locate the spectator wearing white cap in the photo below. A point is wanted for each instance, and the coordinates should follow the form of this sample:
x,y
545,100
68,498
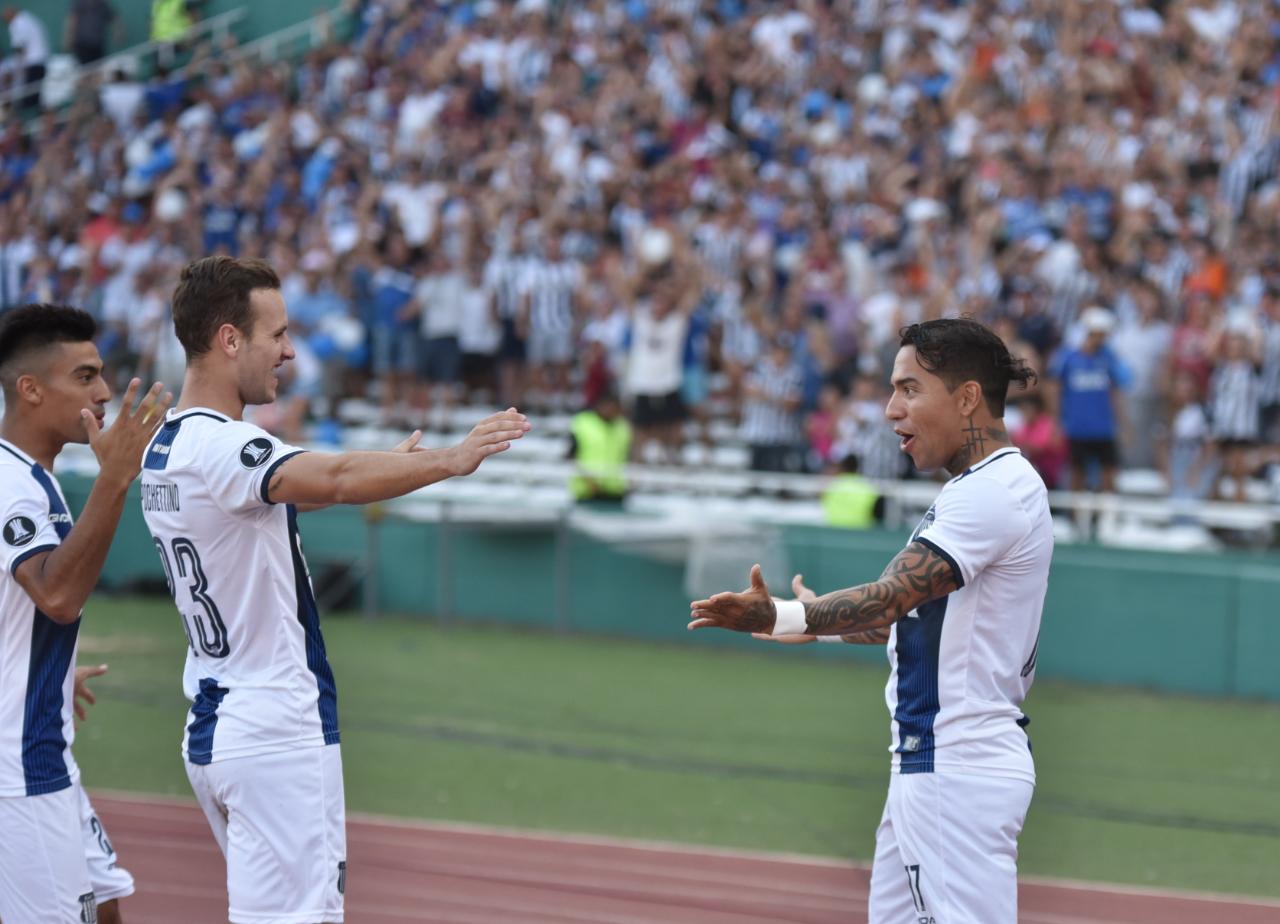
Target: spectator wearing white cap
x,y
1086,385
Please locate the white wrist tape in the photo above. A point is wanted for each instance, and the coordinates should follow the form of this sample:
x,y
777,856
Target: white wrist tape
x,y
790,619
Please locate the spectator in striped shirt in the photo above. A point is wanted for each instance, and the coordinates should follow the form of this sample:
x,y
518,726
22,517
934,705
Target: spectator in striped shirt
x,y
550,288
1269,384
771,413
1234,406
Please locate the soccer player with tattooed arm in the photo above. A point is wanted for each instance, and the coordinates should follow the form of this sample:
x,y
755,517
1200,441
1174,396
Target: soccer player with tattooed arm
x,y
959,612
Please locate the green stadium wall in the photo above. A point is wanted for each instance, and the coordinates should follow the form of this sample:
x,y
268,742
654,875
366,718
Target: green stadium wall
x,y
260,18
1203,624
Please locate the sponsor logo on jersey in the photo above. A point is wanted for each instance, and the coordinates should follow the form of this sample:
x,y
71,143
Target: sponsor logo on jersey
x,y
161,449
55,517
88,909
925,523
256,451
911,743
342,877
19,531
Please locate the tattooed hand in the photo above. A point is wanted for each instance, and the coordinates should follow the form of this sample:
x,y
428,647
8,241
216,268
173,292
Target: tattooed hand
x,y
749,611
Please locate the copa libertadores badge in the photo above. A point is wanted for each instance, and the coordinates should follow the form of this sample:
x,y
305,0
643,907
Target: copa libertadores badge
x,y
19,531
256,451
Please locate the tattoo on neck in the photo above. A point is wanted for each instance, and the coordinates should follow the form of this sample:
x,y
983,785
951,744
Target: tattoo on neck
x,y
973,450
975,446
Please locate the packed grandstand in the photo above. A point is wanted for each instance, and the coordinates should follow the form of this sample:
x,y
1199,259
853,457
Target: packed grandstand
x,y
722,211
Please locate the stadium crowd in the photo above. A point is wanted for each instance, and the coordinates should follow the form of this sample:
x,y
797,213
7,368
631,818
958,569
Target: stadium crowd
x,y
715,209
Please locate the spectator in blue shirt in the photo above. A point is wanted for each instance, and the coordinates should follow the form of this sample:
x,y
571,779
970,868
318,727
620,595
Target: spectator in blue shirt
x,y
393,328
221,223
1089,379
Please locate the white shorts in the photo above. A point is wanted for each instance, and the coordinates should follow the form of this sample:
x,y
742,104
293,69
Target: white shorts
x,y
43,873
281,823
108,879
947,850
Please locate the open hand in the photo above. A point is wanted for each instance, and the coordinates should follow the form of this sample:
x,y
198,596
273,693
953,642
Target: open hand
x,y
492,435
82,692
119,448
752,610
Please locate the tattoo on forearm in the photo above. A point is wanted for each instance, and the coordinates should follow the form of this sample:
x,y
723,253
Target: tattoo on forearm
x,y
917,575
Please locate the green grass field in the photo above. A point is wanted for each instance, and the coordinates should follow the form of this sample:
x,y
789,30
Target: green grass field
x,y
772,751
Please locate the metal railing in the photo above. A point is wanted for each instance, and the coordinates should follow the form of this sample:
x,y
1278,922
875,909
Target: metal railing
x,y
133,59
291,40
683,492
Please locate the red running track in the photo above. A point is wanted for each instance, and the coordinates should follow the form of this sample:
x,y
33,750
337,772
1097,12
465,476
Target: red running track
x,y
408,873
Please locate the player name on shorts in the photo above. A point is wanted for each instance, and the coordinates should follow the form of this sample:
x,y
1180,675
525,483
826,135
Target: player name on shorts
x,y
162,498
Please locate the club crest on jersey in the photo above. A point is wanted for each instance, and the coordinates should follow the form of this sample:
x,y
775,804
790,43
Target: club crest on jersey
x,y
88,909
925,523
256,451
19,531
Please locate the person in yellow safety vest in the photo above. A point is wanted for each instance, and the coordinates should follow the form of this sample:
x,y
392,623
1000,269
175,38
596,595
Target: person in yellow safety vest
x,y
170,20
851,501
600,444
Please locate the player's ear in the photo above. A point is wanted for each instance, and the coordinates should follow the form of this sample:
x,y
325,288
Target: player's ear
x,y
28,388
970,394
228,339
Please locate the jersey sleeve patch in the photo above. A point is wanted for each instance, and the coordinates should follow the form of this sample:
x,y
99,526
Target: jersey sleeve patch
x,y
235,461
26,527
19,531
256,452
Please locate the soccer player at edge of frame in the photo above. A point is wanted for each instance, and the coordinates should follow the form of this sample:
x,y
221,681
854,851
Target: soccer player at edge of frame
x,y
56,861
220,497
959,612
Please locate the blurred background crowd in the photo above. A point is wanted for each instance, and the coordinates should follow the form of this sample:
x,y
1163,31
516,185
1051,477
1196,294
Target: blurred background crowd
x,y
718,211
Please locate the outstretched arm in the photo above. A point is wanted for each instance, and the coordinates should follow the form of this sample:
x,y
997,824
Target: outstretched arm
x,y
916,575
805,595
409,444
363,477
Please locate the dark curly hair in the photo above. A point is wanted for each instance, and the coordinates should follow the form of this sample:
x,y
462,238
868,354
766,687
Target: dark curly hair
x,y
959,350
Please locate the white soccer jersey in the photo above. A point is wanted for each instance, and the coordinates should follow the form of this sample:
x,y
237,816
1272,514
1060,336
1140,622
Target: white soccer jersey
x,y
37,655
256,673
962,664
